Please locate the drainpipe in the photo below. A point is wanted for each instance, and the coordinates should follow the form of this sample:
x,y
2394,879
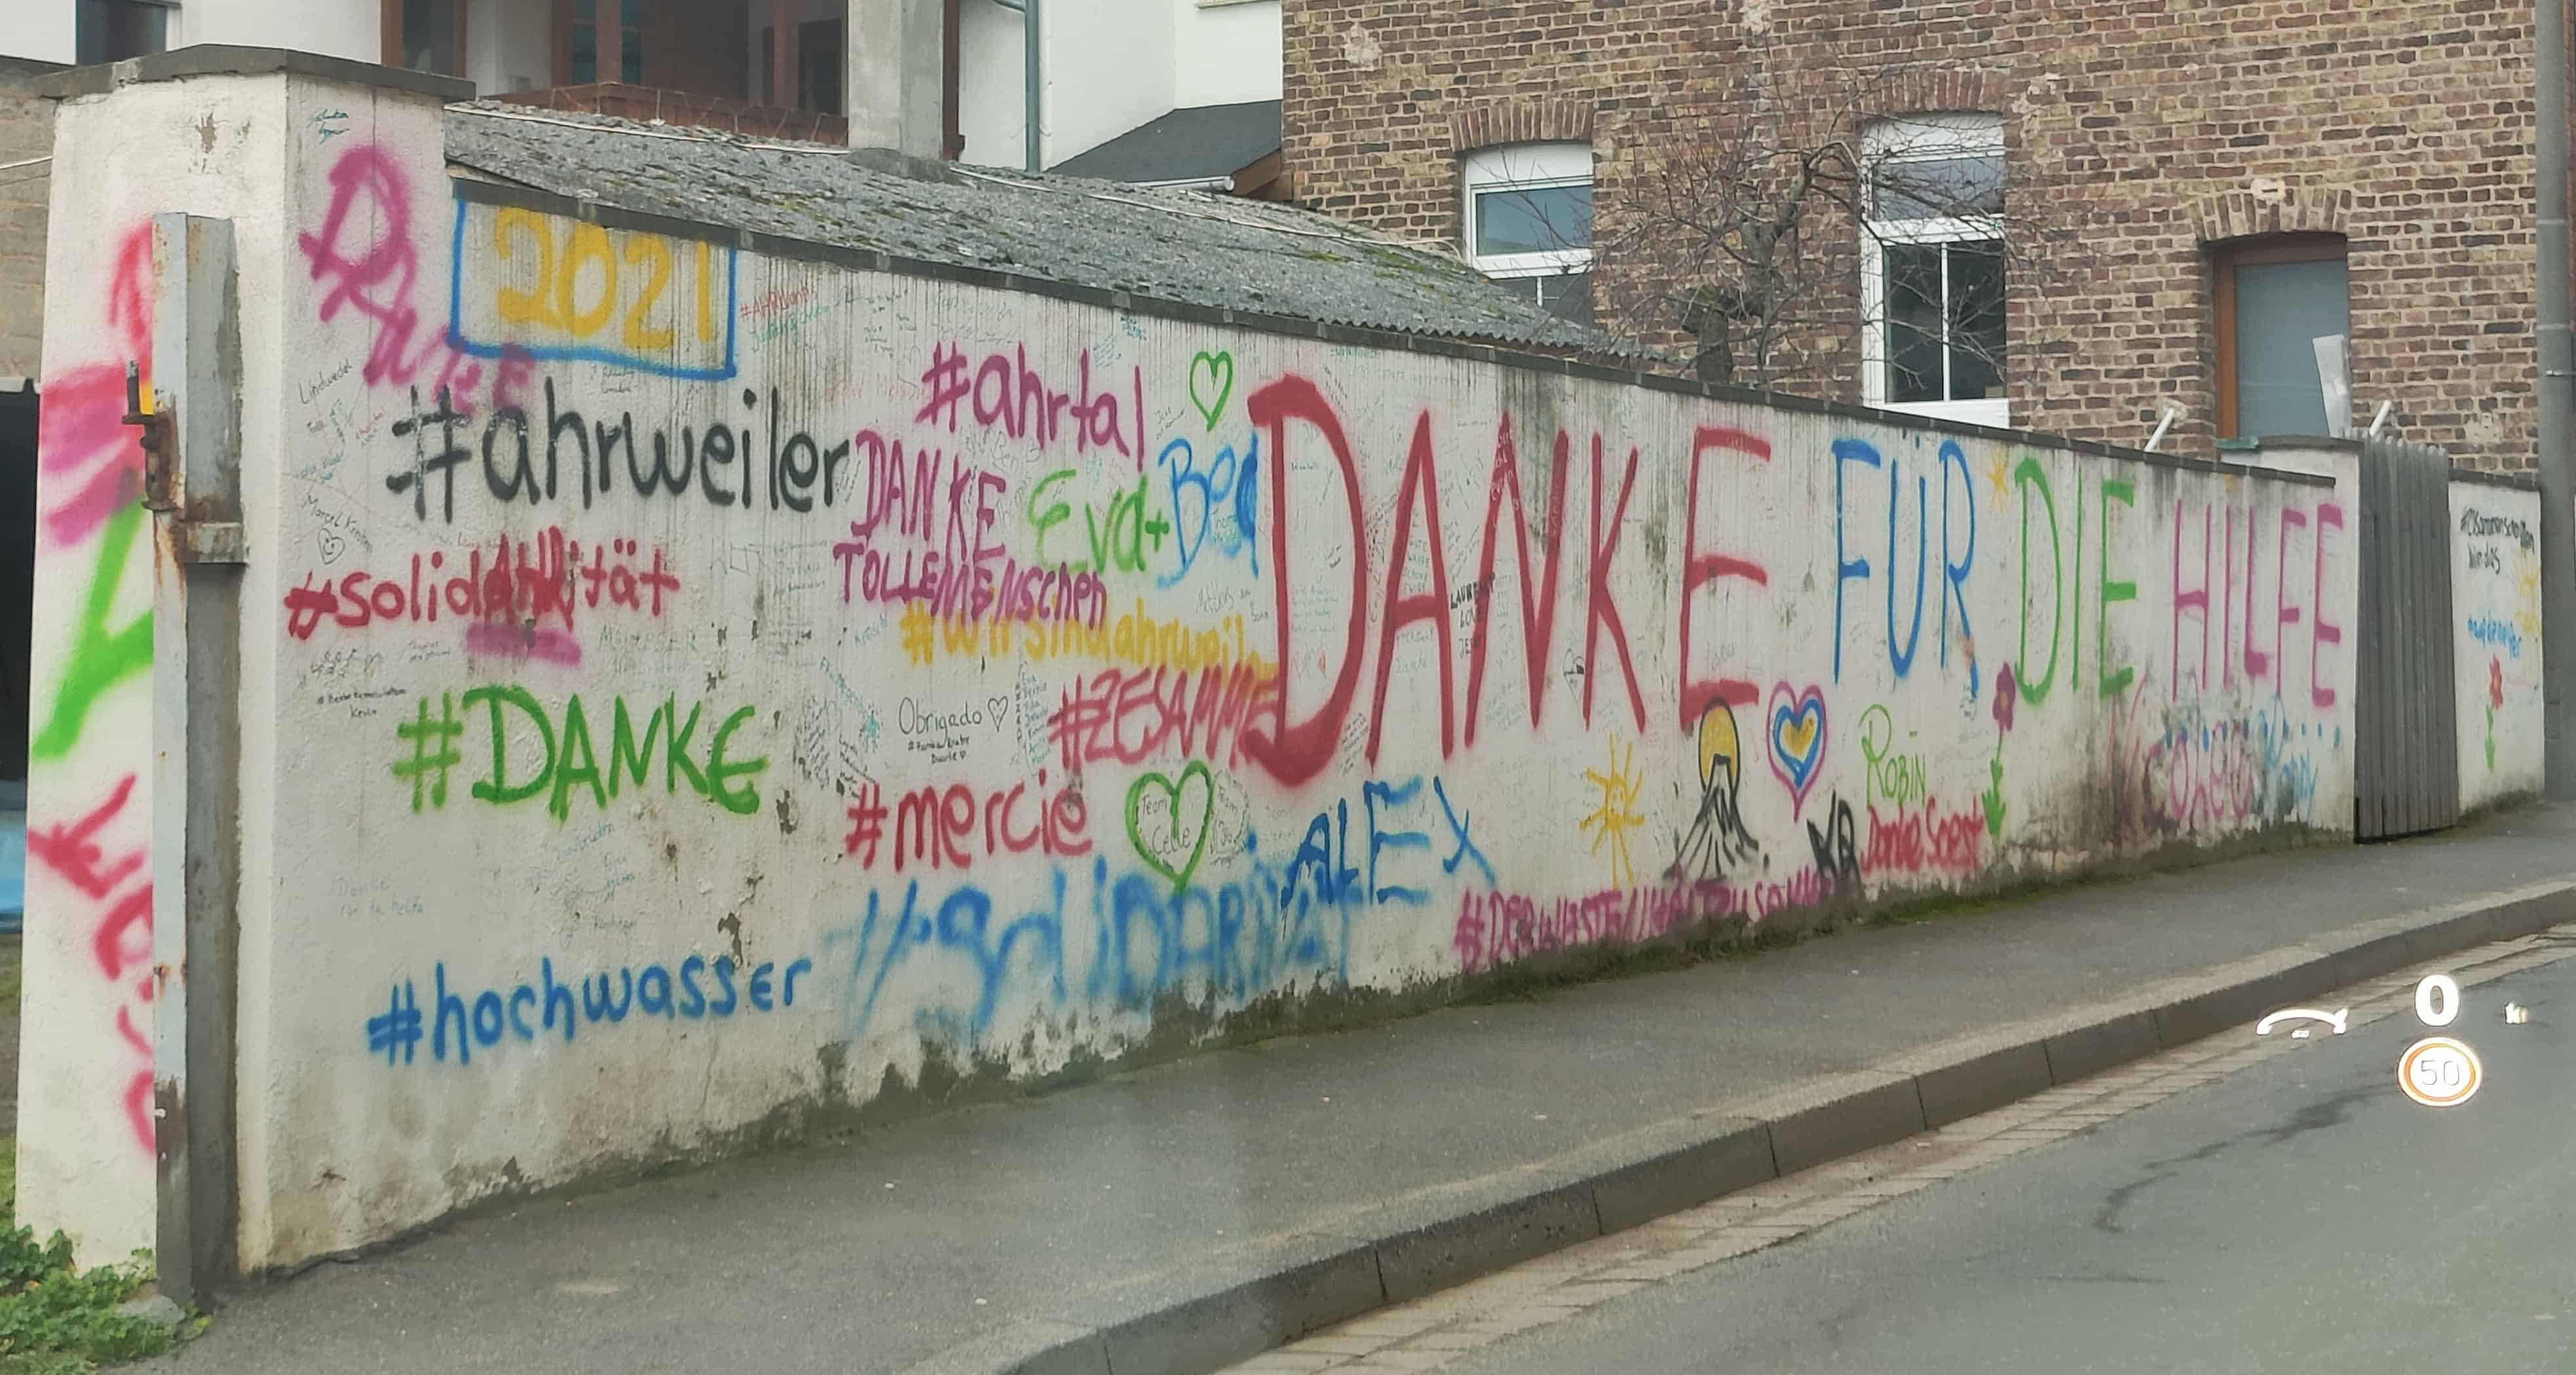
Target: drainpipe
x,y
1032,76
952,142
2557,410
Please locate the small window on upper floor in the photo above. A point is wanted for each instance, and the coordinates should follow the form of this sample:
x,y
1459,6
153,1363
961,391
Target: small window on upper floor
x,y
1932,267
114,30
2283,315
1528,222
426,35
587,38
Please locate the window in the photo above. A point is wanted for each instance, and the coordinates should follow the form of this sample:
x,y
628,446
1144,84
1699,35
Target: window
x,y
425,35
1529,222
2284,313
818,65
114,30
1932,268
586,44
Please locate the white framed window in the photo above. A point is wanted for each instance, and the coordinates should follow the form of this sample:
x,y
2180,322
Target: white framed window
x,y
1528,221
1932,267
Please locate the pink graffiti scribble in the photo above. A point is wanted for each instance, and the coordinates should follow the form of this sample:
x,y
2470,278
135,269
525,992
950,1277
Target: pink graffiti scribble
x,y
1496,928
504,641
375,277
122,939
82,436
68,850
138,1107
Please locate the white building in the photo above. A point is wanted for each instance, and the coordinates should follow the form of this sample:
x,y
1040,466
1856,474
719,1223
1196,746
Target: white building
x,y
872,71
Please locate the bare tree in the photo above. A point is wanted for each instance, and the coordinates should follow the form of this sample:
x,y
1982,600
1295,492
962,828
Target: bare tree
x,y
1807,211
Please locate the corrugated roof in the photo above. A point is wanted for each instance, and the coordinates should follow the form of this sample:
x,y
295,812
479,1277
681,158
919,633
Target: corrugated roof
x,y
1186,145
1181,246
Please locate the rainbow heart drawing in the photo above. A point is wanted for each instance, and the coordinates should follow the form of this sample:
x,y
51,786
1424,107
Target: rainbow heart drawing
x,y
1797,738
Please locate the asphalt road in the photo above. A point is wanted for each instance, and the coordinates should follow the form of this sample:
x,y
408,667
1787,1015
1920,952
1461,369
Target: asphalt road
x,y
2297,1215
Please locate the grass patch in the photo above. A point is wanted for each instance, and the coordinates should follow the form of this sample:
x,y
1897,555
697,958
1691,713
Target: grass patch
x,y
56,1320
13,959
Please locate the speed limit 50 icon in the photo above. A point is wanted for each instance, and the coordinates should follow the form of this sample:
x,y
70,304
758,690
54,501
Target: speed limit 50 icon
x,y
2439,1072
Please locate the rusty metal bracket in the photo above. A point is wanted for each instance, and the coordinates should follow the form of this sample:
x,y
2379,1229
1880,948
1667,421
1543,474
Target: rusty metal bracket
x,y
208,541
160,457
191,540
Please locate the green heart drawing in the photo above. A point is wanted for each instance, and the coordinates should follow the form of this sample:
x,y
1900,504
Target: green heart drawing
x,y
1171,789
1220,384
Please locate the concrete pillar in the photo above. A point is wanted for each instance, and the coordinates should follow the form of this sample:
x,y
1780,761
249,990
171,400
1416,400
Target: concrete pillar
x,y
893,76
782,54
116,898
609,28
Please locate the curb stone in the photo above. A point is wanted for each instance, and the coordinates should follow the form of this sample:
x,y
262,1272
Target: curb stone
x,y
1213,1313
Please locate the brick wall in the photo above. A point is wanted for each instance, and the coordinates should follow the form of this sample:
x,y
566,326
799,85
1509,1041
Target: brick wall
x,y
26,131
2407,125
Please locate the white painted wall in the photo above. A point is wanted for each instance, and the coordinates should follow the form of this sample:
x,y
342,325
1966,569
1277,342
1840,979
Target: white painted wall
x,y
1110,66
1224,54
45,30
887,838
210,147
990,93
2495,591
334,28
506,40
1108,69
510,46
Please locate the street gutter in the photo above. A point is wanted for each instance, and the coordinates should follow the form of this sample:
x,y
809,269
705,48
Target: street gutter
x,y
1212,1313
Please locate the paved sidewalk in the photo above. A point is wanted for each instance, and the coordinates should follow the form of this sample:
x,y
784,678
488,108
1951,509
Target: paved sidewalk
x,y
1334,1172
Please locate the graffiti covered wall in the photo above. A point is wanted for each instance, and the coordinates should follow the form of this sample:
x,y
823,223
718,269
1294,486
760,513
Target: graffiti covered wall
x,y
2495,598
689,682
86,1126
86,1068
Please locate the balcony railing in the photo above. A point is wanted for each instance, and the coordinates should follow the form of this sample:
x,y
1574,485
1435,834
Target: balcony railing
x,y
690,109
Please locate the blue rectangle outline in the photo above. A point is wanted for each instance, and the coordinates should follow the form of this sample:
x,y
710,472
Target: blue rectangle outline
x,y
586,353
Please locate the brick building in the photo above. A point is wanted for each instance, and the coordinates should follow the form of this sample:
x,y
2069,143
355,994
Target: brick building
x,y
2227,183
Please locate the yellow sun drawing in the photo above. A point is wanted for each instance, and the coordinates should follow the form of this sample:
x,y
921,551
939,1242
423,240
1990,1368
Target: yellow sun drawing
x,y
1617,814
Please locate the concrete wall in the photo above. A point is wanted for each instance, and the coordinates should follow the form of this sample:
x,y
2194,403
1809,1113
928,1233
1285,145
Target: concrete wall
x,y
85,1124
45,30
2495,615
924,672
2495,593
26,132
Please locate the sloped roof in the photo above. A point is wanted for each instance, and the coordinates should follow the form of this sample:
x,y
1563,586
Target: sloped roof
x,y
1195,144
1180,246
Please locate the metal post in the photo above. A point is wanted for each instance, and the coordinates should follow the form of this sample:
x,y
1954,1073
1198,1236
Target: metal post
x,y
1033,83
194,494
2557,409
